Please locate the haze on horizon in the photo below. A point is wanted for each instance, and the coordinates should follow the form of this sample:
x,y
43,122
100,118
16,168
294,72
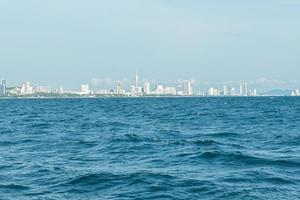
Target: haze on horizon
x,y
63,42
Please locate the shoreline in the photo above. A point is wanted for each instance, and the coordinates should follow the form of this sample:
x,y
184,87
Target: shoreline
x,y
135,97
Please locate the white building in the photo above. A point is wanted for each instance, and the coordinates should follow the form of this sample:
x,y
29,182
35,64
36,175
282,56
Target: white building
x,y
146,88
254,92
187,88
119,88
233,92
26,88
3,87
244,89
102,92
169,91
159,90
227,90
42,89
132,90
296,93
136,81
213,92
61,90
84,89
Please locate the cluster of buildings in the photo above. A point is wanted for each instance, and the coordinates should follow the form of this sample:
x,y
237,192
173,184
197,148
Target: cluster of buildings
x,y
296,93
26,89
145,89
231,91
138,88
184,89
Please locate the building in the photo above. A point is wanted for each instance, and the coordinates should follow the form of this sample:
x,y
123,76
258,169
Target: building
x,y
187,88
295,93
42,89
136,81
139,91
254,92
233,92
213,92
102,92
119,88
136,85
244,89
26,89
170,91
132,90
61,90
146,88
3,88
227,90
84,89
159,90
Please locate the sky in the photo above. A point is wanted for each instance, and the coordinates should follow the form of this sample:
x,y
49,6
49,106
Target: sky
x,y
212,42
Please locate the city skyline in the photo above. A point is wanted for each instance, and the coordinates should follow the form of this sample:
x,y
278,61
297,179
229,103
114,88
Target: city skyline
x,y
261,84
140,87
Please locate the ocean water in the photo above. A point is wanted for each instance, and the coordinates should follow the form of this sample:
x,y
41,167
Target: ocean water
x,y
150,148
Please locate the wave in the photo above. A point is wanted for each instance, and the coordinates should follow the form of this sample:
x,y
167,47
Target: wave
x,y
223,134
239,158
206,142
14,187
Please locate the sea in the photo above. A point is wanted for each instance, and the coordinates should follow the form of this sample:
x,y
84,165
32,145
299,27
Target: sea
x,y
150,148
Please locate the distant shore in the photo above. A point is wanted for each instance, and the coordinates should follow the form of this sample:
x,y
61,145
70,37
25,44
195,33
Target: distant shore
x,y
133,97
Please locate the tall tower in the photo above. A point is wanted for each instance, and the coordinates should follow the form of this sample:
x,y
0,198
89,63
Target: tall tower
x,y
244,89
136,81
225,90
26,88
147,88
3,87
119,89
187,88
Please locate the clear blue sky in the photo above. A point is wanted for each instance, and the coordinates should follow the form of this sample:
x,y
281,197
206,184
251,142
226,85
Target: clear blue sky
x,y
68,42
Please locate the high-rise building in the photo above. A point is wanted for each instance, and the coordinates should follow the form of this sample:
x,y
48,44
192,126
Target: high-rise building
x,y
159,89
132,90
296,93
233,92
187,88
254,92
146,88
26,88
244,89
210,92
3,88
136,81
85,89
170,91
119,89
60,90
213,92
138,89
227,90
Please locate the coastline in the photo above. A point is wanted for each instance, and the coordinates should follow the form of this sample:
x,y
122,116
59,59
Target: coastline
x,y
133,97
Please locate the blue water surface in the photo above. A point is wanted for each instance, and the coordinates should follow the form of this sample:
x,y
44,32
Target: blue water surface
x,y
150,148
